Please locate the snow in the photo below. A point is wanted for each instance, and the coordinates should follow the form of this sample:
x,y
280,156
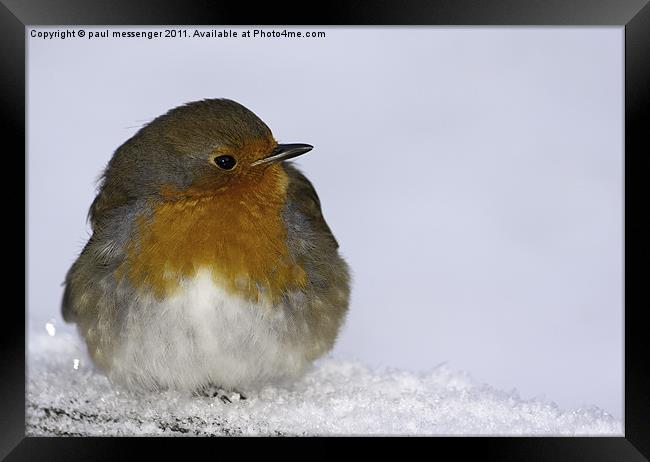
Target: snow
x,y
67,396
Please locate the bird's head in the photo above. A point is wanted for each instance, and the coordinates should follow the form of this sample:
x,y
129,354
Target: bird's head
x,y
202,148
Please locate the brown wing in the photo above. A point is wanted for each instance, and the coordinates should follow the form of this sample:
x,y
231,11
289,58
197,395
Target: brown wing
x,y
302,195
81,282
107,199
101,255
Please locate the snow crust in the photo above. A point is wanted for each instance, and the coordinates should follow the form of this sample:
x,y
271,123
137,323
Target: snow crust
x,y
67,396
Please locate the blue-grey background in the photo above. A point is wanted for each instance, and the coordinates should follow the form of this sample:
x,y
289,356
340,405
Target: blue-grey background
x,y
473,177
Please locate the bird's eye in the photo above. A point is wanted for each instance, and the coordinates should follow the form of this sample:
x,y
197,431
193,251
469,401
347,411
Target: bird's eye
x,y
225,162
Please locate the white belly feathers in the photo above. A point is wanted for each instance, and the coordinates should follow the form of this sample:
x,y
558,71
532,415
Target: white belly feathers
x,y
204,335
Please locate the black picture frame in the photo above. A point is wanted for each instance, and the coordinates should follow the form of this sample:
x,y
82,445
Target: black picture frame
x,y
633,15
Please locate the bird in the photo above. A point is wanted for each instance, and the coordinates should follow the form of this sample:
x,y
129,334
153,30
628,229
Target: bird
x,y
210,264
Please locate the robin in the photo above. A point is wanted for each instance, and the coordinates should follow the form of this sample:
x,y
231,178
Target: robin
x,y
210,263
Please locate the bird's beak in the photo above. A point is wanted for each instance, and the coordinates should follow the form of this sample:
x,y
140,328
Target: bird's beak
x,y
284,152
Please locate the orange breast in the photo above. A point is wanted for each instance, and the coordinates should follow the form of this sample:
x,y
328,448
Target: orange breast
x,y
239,235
